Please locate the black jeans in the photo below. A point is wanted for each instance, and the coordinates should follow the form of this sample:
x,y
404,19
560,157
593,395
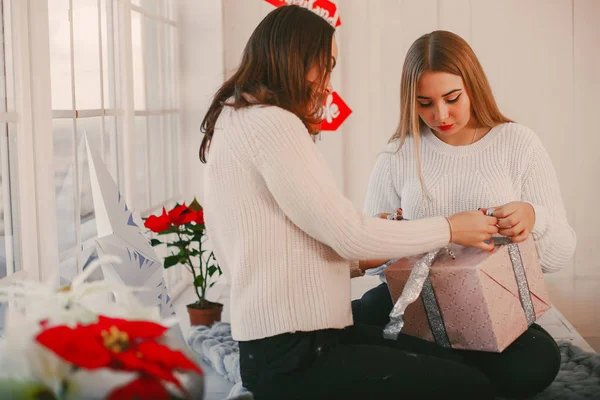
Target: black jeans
x,y
523,369
357,363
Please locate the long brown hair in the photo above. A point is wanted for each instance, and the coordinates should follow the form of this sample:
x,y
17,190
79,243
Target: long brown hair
x,y
287,43
443,51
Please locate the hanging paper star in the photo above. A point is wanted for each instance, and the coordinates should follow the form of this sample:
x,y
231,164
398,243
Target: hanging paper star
x,y
119,235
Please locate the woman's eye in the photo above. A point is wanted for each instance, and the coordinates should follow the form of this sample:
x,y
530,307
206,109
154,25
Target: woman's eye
x,y
424,105
454,100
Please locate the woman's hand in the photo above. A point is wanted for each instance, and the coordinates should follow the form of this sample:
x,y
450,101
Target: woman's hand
x,y
472,229
515,220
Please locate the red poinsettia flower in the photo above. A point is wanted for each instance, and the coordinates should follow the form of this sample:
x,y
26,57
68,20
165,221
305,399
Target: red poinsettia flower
x,y
199,217
120,345
158,223
143,387
181,215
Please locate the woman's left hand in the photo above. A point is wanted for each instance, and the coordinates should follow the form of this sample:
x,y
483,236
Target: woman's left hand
x,y
515,220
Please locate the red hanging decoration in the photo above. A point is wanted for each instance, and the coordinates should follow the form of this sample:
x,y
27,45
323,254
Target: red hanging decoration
x,y
323,8
335,112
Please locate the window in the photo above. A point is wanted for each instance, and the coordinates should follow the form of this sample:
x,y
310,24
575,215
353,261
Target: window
x,y
101,69
9,221
85,101
94,93
157,139
154,38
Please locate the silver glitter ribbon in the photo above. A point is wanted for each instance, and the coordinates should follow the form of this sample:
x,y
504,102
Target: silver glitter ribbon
x,y
434,315
418,283
522,284
410,293
381,269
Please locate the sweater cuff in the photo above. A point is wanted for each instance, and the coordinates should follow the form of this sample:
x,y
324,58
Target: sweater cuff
x,y
542,220
355,271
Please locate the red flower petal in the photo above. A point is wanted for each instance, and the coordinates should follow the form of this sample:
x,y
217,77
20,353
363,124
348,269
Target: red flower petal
x,y
158,224
141,388
181,215
176,213
200,217
166,357
135,329
134,361
187,217
79,346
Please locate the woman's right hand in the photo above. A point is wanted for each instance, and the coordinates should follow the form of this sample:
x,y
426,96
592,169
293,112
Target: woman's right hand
x,y
472,228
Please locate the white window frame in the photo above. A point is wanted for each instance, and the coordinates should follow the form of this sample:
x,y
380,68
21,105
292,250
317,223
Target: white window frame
x,y
36,192
39,251
8,118
75,115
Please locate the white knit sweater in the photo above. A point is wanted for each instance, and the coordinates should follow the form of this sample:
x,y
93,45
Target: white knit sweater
x,y
282,231
508,164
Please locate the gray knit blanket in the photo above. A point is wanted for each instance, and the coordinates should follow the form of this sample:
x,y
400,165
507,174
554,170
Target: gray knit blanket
x,y
578,379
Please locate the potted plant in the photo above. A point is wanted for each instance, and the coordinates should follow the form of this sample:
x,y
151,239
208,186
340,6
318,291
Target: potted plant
x,y
185,235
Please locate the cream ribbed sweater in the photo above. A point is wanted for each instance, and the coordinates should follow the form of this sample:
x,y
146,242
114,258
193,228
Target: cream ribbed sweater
x,y
508,164
282,231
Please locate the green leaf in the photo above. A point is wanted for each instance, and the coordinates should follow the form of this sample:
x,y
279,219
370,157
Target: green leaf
x,y
194,205
155,242
211,270
171,260
179,243
172,229
212,284
199,281
24,390
199,228
194,252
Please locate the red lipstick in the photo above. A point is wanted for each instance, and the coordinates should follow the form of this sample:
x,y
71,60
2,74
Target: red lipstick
x,y
445,127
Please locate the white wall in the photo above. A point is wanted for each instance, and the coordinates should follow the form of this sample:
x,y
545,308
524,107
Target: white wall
x,y
201,66
542,59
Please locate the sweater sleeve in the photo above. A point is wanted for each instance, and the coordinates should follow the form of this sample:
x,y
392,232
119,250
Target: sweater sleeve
x,y
301,183
381,196
555,239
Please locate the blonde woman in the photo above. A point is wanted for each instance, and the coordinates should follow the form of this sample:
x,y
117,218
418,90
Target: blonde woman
x,y
455,151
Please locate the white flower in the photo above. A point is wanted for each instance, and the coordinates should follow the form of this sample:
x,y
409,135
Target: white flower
x,y
31,303
81,302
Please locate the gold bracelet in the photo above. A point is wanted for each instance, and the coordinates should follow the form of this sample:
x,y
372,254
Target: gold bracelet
x,y
450,226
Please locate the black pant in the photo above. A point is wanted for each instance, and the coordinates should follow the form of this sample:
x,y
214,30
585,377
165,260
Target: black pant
x,y
523,369
357,363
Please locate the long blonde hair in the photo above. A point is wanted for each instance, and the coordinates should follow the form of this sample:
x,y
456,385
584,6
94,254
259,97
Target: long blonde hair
x,y
443,51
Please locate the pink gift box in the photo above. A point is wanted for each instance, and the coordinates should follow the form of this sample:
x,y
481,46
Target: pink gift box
x,y
477,294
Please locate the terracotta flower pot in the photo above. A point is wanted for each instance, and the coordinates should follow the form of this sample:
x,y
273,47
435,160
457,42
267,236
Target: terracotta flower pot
x,y
207,315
